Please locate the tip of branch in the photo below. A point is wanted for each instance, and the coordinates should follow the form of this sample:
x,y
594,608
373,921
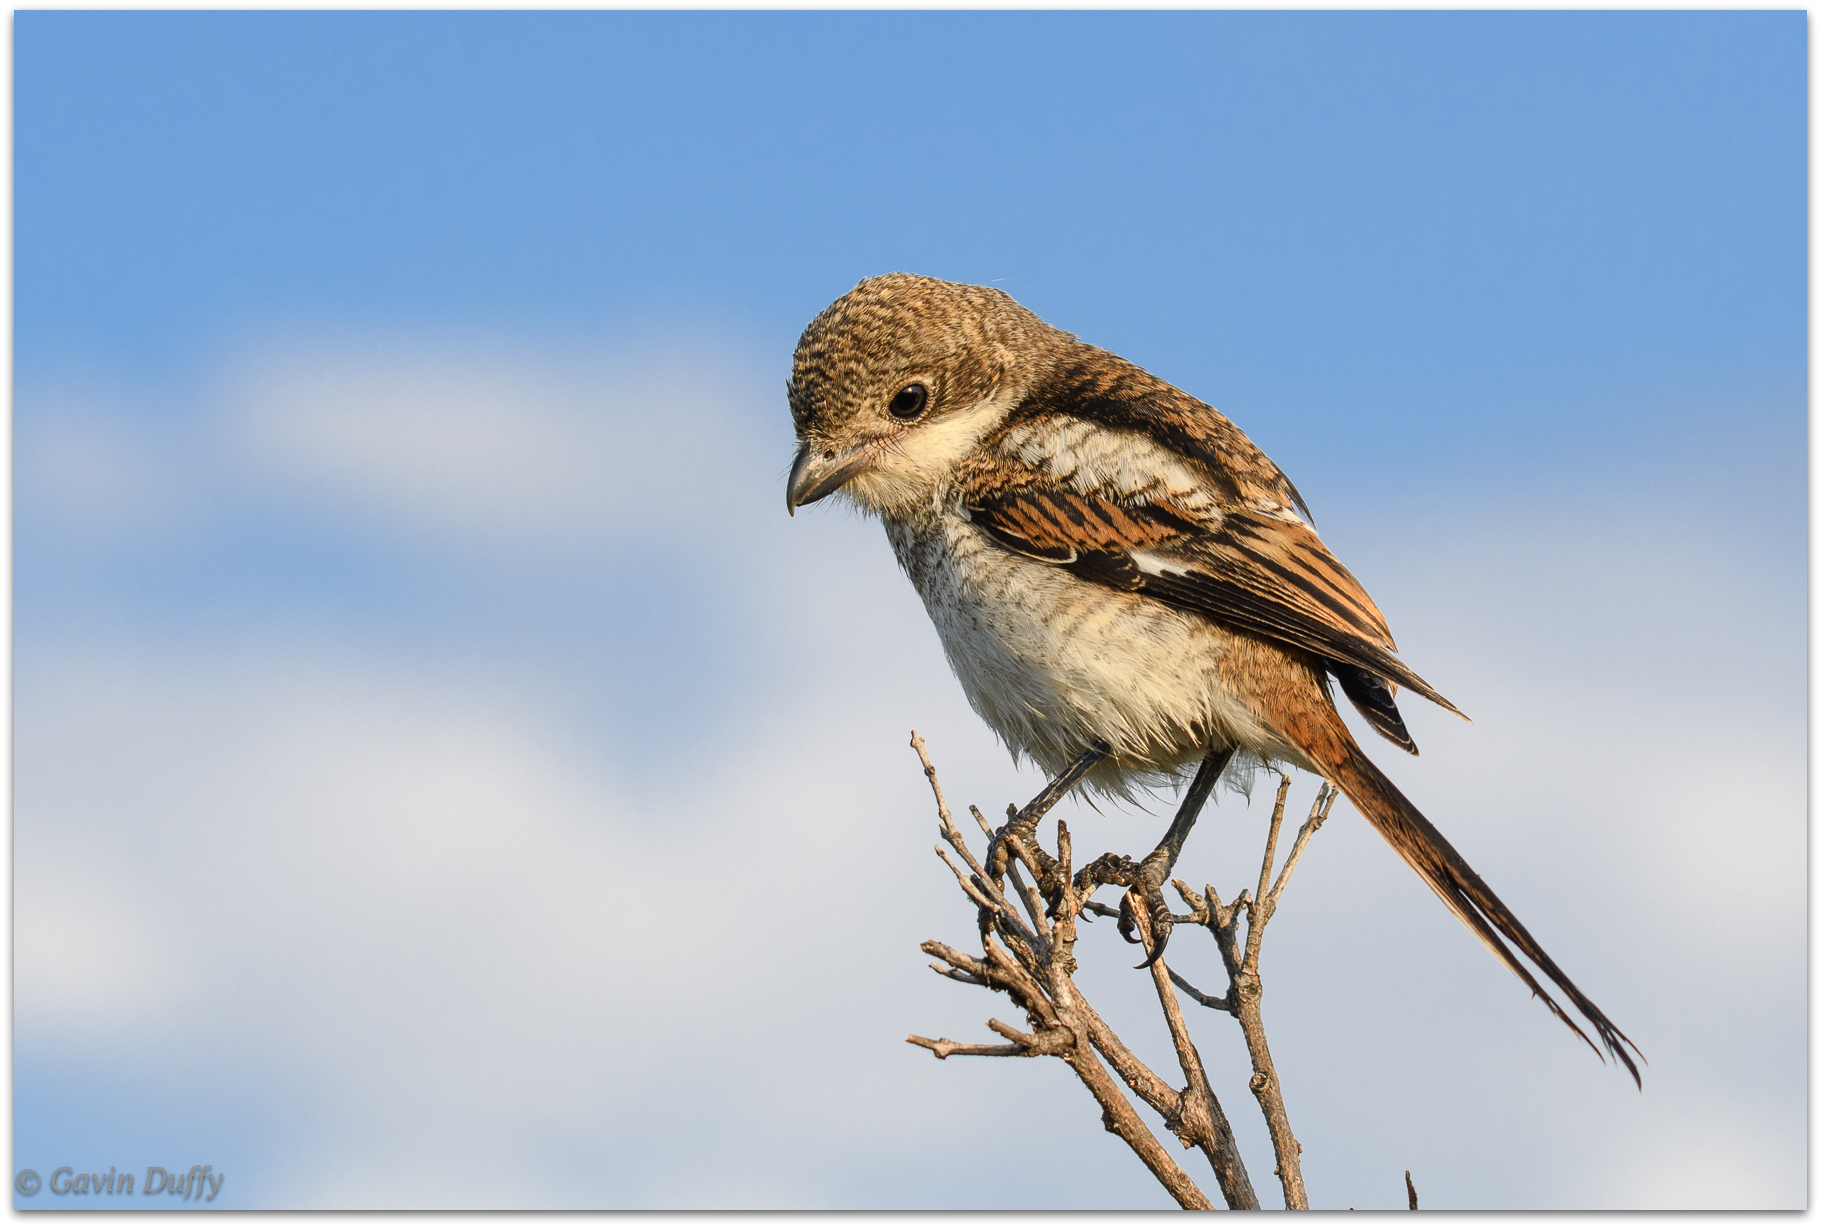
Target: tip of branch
x,y
941,1048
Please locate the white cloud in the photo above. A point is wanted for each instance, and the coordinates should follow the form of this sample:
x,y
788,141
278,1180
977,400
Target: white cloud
x,y
503,449
91,952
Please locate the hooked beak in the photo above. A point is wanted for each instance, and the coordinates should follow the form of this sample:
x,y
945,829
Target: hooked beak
x,y
819,471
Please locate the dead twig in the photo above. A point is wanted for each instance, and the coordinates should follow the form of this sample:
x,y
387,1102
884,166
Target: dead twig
x,y
1200,1110
1028,934
1245,989
1033,962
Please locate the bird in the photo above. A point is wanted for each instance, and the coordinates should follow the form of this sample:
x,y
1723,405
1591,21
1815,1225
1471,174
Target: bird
x,y
1124,584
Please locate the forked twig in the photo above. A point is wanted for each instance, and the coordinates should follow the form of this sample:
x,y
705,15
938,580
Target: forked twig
x,y
1244,987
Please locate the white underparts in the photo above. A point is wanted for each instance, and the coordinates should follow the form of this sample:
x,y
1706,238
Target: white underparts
x,y
1053,662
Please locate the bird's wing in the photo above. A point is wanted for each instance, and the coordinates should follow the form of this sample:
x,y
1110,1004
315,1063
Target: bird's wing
x,y
1267,574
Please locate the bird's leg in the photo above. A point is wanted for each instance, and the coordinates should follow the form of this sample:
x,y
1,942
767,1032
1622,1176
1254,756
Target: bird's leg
x,y
1148,877
1024,823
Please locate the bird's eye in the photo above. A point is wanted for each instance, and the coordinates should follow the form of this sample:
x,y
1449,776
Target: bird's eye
x,y
909,402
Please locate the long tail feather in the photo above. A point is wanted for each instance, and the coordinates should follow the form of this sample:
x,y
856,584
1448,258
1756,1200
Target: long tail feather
x,y
1447,873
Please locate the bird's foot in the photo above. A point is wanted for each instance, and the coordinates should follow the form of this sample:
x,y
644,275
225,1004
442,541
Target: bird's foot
x,y
1147,878
1143,879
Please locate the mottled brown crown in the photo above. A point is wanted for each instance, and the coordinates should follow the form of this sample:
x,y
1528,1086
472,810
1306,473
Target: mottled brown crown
x,y
962,341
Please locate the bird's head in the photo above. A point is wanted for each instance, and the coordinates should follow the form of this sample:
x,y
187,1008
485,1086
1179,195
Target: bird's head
x,y
897,380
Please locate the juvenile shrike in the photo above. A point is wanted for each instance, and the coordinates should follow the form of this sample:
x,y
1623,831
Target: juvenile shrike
x,y
1124,584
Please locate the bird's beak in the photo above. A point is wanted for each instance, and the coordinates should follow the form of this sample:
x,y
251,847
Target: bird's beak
x,y
819,471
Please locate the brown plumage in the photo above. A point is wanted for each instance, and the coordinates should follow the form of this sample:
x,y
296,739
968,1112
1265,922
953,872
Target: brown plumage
x,y
1109,560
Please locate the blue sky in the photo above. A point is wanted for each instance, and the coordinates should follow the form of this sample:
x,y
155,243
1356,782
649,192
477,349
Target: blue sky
x,y
402,585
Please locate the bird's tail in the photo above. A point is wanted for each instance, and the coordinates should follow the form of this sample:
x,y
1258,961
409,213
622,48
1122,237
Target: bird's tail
x,y
1326,741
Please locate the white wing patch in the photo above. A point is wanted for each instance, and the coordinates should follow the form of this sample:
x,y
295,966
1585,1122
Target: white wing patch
x,y
1153,565
1123,465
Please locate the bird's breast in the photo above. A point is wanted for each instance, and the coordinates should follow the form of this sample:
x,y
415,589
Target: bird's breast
x,y
1053,662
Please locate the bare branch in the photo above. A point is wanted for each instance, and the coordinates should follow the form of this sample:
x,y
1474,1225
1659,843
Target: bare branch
x,y
1318,814
945,822
959,876
1277,823
977,889
1246,989
1011,1033
981,819
1028,936
1033,904
1123,1120
1198,904
1201,1111
929,770
1207,1000
946,1048
1053,1040
955,974
1127,1065
992,901
949,955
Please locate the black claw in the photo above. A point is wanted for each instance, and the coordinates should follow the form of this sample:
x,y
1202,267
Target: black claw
x,y
1162,922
